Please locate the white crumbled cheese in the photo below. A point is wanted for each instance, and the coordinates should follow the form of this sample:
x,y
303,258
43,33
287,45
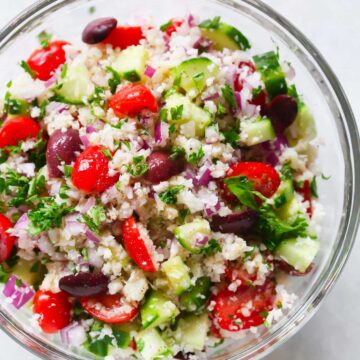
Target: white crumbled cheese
x,y
136,286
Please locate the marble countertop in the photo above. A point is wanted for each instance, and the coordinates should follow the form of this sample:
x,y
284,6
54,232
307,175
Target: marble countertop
x,y
334,27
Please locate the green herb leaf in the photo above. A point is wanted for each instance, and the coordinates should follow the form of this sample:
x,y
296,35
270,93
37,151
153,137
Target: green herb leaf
x,y
122,338
115,79
232,137
177,152
67,171
197,156
27,69
94,218
211,248
182,215
287,172
176,112
44,39
139,166
84,253
313,188
221,111
172,128
4,276
165,26
63,192
324,177
211,23
256,92
64,71
229,97
163,114
170,195
107,153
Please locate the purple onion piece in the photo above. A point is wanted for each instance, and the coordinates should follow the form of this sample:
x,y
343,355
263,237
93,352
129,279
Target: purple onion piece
x,y
92,237
201,241
19,295
236,223
149,71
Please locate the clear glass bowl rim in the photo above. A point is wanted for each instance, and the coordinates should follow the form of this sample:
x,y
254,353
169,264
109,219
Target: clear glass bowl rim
x,y
348,227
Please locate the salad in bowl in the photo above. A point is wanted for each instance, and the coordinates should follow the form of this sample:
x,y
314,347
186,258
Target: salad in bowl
x,y
157,188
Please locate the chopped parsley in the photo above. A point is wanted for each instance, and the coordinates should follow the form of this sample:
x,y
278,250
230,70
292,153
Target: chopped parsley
x,y
182,215
43,106
287,172
165,26
122,338
324,177
140,344
229,97
94,218
139,166
232,137
172,128
211,248
44,39
63,191
67,171
313,187
163,114
196,157
256,92
177,112
107,153
169,196
27,69
47,215
4,276
221,111
98,99
92,9
211,23
177,152
114,80
64,71
84,253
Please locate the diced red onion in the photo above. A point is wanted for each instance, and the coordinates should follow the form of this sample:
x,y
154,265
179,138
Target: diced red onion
x,y
92,237
202,43
238,99
210,211
85,140
90,129
90,202
212,97
19,295
73,335
49,83
145,120
161,133
45,245
95,259
191,20
167,42
22,223
202,241
56,106
280,142
151,194
204,178
149,71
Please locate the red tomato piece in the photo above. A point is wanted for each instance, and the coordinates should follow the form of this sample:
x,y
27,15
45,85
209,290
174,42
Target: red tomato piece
x,y
240,310
175,23
264,177
54,310
288,269
45,61
6,240
19,128
132,99
239,83
135,246
259,100
91,171
124,36
111,309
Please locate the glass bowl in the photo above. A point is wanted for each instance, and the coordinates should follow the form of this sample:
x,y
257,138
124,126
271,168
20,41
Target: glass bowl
x,y
338,155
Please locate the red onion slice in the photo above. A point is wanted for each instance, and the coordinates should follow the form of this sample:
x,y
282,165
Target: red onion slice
x,y
149,71
19,295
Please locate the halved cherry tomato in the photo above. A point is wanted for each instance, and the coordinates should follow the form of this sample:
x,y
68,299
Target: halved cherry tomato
x,y
6,240
91,171
264,178
135,246
111,309
175,23
244,308
305,190
19,128
124,36
45,61
239,273
54,310
132,99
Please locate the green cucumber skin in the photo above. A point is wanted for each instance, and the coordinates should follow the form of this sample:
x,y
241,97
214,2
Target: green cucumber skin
x,y
194,299
237,36
284,194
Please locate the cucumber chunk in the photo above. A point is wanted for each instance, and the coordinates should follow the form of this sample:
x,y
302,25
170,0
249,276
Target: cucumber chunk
x,y
151,345
15,107
131,63
224,36
158,309
29,271
192,331
187,234
194,299
256,132
299,253
284,193
271,73
303,128
191,74
290,211
190,112
178,274
77,86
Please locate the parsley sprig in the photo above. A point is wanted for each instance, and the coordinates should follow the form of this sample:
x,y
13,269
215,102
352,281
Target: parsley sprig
x,y
169,196
96,216
139,166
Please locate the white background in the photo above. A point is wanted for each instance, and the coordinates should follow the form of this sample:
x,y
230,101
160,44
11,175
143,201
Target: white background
x,y
334,332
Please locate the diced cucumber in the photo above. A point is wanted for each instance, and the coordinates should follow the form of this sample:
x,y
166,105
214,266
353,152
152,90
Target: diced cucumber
x,y
16,107
187,234
131,63
77,85
256,132
177,273
299,253
303,128
192,331
224,36
284,193
194,299
191,74
271,73
32,272
290,211
158,309
151,345
190,112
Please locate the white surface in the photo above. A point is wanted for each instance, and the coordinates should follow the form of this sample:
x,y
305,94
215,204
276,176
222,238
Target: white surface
x,y
334,27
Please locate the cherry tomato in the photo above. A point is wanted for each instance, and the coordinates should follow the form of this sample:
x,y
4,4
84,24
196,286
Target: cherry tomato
x,y
124,36
175,23
45,61
259,100
305,190
18,129
111,309
132,99
136,247
264,177
54,310
232,311
288,269
6,240
91,171
239,273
